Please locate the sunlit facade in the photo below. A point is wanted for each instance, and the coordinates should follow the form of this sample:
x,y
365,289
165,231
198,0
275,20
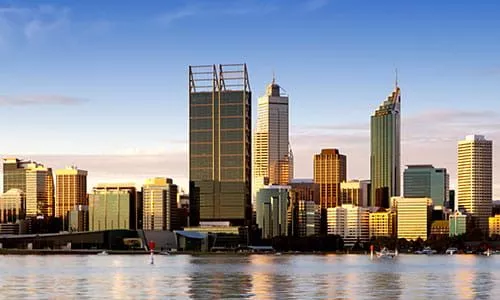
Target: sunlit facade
x,y
355,192
330,168
12,206
382,224
71,191
159,200
352,223
385,155
494,225
413,217
475,178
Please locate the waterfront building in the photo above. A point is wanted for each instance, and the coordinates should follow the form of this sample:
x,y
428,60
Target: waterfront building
x,y
494,225
78,218
220,144
440,228
159,199
272,158
306,190
14,174
457,223
427,181
475,178
12,206
308,218
330,168
112,206
352,223
386,150
271,210
382,223
413,217
355,192
304,213
71,191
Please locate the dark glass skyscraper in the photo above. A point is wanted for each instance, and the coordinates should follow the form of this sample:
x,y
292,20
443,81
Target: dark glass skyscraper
x,y
386,151
220,144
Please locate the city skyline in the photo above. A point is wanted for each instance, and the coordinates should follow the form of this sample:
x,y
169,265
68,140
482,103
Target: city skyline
x,y
440,84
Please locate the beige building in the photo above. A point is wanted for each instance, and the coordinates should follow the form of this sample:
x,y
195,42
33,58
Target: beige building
x,y
494,225
159,204
71,191
413,217
355,192
475,178
272,157
350,222
382,224
329,171
39,190
12,206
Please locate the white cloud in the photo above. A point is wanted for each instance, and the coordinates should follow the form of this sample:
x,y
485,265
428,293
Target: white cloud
x,y
39,100
312,5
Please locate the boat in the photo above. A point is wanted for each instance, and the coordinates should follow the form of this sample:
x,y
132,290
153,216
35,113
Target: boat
x,y
164,253
386,253
278,253
426,251
103,253
451,251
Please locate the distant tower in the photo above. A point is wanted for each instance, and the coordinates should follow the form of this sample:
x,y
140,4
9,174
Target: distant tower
x,y
385,156
272,156
475,178
71,191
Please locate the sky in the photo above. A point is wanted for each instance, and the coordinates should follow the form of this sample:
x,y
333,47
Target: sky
x,y
103,84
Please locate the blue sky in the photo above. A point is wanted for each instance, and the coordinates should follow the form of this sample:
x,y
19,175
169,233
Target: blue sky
x,y
103,84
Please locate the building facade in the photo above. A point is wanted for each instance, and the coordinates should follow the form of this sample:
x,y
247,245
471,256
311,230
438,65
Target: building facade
x,y
159,199
12,206
458,223
385,158
272,159
272,205
71,191
383,224
78,218
475,178
426,181
112,206
355,192
413,217
220,144
352,223
494,225
330,168
14,174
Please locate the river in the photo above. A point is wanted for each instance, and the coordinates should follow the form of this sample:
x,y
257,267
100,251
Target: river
x,y
253,277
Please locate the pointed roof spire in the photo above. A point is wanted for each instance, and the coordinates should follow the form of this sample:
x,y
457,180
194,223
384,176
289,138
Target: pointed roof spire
x,y
396,79
274,78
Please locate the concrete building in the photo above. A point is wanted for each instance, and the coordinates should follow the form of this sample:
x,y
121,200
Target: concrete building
x,y
71,191
159,196
422,181
355,192
475,178
308,220
272,159
330,168
440,228
220,144
352,223
272,205
306,190
78,218
12,206
457,223
413,217
385,158
112,206
494,225
383,224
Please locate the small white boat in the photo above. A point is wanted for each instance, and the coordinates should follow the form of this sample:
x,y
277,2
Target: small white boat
x,y
164,253
103,253
386,253
451,251
428,251
278,253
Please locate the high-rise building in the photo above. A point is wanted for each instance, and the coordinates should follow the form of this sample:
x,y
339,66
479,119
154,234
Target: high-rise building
x,y
458,223
308,220
475,178
452,201
272,160
422,181
494,225
350,222
112,206
272,205
220,144
330,168
355,192
159,200
14,174
304,217
12,206
413,217
71,191
306,190
382,224
385,150
78,218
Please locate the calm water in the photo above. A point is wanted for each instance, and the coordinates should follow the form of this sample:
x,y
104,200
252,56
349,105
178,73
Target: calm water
x,y
255,277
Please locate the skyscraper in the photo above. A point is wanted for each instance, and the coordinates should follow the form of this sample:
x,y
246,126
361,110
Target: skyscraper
x,y
14,174
330,168
426,181
272,159
355,192
385,150
475,176
71,190
159,200
12,206
219,144
272,204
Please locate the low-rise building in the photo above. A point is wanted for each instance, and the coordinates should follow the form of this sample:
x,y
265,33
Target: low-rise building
x,y
457,223
350,222
272,208
440,228
494,225
382,224
413,217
